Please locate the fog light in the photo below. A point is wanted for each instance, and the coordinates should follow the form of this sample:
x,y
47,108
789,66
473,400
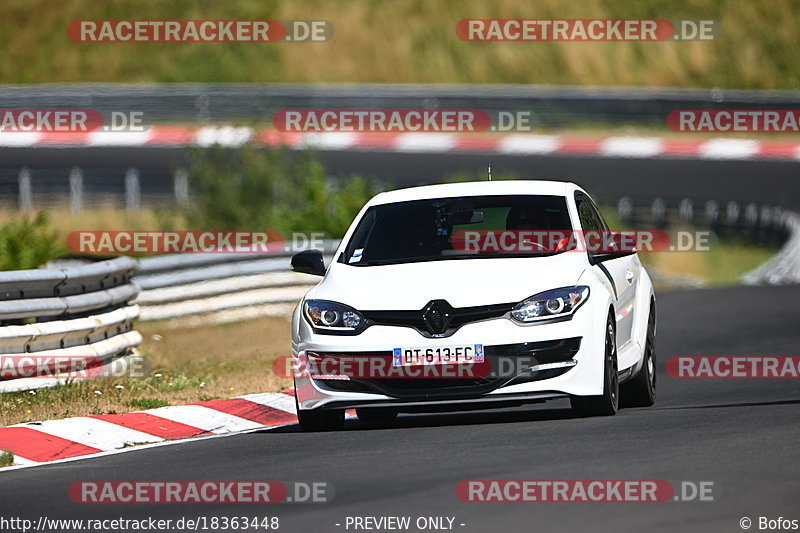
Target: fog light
x,y
551,366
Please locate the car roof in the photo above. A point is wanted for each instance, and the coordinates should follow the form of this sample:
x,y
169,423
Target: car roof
x,y
477,188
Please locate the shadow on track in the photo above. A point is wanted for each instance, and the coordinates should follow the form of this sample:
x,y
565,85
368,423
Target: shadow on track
x,y
469,418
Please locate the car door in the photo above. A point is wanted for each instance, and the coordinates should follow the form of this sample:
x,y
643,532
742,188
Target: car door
x,y
622,272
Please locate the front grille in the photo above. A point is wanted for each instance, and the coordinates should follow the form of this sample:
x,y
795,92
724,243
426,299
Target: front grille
x,y
453,317
510,365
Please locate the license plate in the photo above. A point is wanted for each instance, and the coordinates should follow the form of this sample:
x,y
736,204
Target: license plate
x,y
440,355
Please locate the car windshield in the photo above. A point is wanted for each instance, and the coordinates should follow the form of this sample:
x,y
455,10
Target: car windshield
x,y
467,227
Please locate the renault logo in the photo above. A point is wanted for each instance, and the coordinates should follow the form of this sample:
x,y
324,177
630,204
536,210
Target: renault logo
x,y
436,316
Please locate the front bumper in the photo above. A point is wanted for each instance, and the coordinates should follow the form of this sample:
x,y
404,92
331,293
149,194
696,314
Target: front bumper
x,y
577,342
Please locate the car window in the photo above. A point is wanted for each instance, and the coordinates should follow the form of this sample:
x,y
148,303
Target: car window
x,y
598,215
433,229
590,219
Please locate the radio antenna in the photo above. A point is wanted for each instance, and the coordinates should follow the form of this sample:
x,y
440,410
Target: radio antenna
x,y
490,171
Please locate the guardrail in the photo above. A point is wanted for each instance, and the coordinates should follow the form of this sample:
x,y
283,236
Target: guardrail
x,y
224,287
758,224
784,267
763,224
82,314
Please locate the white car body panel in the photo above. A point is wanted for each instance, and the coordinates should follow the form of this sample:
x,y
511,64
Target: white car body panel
x,y
463,283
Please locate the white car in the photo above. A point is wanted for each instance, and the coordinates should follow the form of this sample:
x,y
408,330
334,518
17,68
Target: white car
x,y
408,318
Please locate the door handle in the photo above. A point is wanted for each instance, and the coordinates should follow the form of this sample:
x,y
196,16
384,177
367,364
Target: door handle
x,y
629,276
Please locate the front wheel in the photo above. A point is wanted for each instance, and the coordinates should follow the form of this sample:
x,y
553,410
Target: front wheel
x,y
641,390
607,403
320,419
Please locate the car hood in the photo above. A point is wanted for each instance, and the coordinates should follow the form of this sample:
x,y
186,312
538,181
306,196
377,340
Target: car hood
x,y
462,282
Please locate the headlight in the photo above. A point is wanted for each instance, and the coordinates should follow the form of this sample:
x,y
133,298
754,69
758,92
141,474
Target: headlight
x,y
332,317
551,304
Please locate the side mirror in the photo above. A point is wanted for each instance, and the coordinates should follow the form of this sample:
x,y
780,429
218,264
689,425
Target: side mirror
x,y
309,262
618,245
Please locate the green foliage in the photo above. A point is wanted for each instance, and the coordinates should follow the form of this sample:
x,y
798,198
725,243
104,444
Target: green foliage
x,y
412,41
148,403
6,458
28,243
260,189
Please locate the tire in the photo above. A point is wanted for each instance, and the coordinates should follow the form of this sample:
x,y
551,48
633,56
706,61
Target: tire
x,y
607,403
320,419
376,415
641,390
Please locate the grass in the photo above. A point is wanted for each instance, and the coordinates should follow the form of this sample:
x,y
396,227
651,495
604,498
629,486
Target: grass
x,y
50,242
105,218
147,403
28,242
724,264
409,41
6,459
108,218
188,365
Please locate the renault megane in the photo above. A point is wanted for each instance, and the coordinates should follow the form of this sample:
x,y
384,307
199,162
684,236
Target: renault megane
x,y
474,295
